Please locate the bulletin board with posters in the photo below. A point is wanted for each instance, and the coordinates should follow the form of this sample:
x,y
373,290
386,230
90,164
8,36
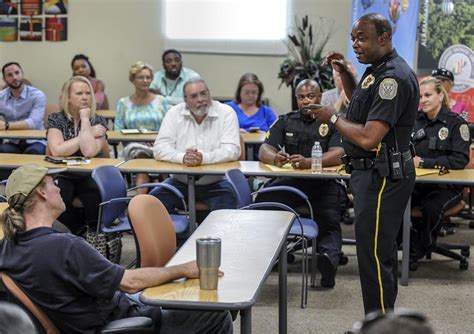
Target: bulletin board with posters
x,y
33,20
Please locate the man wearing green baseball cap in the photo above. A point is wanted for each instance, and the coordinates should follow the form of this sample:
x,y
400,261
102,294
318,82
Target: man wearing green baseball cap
x,y
78,288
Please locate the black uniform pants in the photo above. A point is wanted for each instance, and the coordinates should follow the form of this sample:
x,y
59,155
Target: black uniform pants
x,y
379,204
433,200
328,200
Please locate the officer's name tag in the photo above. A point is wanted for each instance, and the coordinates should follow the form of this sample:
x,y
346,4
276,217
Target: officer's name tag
x,y
289,134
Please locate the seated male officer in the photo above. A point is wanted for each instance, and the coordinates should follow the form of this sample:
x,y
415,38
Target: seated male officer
x,y
78,288
22,107
198,132
290,140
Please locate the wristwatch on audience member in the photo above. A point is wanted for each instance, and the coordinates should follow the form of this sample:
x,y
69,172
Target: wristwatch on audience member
x,y
334,118
420,164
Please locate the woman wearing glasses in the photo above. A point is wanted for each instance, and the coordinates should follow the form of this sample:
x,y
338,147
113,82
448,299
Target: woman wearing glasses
x,y
250,110
142,110
442,141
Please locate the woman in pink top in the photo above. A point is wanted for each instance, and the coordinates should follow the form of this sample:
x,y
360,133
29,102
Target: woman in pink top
x,y
81,66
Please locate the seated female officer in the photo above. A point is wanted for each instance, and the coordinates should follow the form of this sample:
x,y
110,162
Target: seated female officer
x,y
77,131
441,140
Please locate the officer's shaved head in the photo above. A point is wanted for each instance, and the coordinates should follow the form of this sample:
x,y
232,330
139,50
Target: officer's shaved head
x,y
307,83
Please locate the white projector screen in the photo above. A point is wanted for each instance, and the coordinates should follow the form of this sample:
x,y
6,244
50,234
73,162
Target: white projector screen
x,y
226,26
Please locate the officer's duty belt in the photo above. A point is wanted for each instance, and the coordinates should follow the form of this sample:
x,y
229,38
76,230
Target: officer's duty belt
x,y
362,163
368,163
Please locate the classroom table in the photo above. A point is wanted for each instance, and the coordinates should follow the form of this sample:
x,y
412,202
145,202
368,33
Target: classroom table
x,y
115,137
244,233
107,114
23,134
252,140
254,168
11,161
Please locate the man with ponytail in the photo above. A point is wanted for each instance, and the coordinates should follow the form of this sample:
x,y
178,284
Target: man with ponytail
x,y
78,288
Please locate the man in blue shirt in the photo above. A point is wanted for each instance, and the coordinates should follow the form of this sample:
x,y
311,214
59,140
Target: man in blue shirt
x,y
21,107
170,80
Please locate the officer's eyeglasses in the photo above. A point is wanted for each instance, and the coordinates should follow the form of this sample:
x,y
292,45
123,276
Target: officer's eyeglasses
x,y
405,314
443,171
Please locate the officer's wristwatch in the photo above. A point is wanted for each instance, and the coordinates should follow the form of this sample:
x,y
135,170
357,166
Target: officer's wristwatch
x,y
334,118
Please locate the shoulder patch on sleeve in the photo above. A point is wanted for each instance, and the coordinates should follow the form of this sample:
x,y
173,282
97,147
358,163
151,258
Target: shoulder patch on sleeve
x,y
464,130
388,89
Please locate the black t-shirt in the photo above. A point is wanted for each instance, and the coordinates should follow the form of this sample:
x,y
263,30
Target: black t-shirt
x,y
442,142
297,134
66,277
388,92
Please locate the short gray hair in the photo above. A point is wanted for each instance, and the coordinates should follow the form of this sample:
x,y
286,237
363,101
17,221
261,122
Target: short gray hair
x,y
192,81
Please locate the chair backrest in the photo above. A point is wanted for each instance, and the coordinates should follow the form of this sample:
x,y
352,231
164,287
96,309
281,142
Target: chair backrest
x,y
21,296
240,186
154,233
111,185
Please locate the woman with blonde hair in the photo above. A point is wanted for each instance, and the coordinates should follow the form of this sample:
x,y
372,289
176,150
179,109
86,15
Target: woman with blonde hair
x,y
77,131
142,110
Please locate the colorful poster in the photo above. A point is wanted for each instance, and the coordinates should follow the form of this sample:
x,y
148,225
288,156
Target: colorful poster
x,y
31,7
446,40
55,7
8,29
8,7
31,29
56,29
403,14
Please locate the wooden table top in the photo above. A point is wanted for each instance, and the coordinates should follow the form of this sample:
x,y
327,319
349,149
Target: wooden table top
x,y
253,137
8,160
23,134
254,168
117,136
244,234
107,114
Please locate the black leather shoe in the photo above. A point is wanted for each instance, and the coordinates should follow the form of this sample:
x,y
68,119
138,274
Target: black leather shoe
x,y
327,270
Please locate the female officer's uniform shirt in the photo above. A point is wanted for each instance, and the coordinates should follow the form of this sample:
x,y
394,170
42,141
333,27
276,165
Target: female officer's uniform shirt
x,y
442,142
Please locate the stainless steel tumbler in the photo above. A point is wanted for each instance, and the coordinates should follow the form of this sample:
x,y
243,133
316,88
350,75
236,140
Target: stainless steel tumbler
x,y
208,256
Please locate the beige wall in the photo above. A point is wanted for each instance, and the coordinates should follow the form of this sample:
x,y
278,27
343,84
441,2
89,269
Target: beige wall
x,y
116,33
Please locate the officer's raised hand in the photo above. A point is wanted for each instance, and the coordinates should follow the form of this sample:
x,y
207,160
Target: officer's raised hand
x,y
321,112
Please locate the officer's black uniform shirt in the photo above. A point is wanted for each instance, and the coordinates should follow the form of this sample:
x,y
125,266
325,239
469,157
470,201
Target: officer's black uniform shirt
x,y
297,133
389,92
442,142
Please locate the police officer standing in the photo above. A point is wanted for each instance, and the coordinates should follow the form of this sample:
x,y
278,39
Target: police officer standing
x,y
290,140
441,140
376,135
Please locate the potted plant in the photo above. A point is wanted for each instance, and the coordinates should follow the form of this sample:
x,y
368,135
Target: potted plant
x,y
305,55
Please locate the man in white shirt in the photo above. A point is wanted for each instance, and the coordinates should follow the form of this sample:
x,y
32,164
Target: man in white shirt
x,y
197,132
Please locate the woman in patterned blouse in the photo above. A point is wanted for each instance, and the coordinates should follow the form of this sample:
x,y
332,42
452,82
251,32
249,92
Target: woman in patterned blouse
x,y
77,131
142,110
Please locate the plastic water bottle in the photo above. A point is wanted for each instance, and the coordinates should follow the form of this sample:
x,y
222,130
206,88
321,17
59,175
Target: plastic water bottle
x,y
316,158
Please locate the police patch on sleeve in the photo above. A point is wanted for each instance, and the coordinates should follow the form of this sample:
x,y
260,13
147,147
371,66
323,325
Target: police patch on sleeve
x,y
464,130
388,89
